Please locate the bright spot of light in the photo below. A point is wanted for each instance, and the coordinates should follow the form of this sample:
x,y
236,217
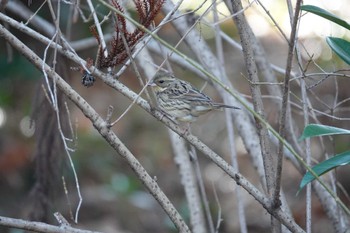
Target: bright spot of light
x,y
202,7
259,25
312,24
333,5
2,117
311,48
27,126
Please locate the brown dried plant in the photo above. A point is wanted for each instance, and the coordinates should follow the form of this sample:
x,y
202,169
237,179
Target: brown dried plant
x,y
147,11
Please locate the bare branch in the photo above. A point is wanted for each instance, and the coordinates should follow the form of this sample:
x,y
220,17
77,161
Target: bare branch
x,y
39,226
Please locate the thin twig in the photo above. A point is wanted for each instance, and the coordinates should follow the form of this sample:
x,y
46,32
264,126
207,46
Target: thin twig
x,y
68,200
285,105
228,121
197,170
256,95
219,218
98,27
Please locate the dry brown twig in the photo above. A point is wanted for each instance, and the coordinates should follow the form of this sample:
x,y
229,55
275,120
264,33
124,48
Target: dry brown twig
x,y
147,11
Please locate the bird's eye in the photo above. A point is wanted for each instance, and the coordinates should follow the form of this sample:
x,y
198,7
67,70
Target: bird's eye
x,y
161,81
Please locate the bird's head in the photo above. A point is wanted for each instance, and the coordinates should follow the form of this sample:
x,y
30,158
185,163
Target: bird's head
x,y
161,81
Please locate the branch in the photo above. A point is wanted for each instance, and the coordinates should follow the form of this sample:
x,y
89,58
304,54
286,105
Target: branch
x,y
230,130
188,181
21,10
285,104
248,52
247,45
39,226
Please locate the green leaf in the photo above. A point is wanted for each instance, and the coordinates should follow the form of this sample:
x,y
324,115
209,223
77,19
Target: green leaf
x,y
325,14
340,47
325,166
315,130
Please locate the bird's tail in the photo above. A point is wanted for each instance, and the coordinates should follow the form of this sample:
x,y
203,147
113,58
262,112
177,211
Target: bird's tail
x,y
225,106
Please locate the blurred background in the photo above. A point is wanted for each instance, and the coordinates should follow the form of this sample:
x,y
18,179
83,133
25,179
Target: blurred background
x,y
114,200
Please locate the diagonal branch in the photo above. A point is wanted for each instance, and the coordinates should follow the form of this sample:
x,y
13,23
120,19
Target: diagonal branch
x,y
39,226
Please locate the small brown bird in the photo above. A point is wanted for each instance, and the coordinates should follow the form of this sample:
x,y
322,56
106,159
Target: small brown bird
x,y
180,100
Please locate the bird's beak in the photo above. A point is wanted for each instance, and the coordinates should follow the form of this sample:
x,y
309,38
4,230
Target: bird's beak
x,y
151,84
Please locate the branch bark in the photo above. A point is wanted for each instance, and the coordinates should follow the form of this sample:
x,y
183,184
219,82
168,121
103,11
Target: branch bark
x,y
285,105
248,52
256,94
39,226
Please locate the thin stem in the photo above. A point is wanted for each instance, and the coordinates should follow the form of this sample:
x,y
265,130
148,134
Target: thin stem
x,y
245,36
98,27
308,158
285,104
203,193
229,120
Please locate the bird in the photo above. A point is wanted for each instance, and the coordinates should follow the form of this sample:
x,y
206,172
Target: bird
x,y
180,100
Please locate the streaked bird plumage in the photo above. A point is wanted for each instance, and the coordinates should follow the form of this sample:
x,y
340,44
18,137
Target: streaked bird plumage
x,y
180,100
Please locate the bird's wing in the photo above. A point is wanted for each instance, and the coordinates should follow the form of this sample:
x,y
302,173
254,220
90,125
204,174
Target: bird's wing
x,y
187,92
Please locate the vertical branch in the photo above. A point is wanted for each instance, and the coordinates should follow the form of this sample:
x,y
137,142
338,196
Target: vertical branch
x,y
193,154
305,107
285,104
308,155
268,75
229,120
247,46
182,158
98,27
256,94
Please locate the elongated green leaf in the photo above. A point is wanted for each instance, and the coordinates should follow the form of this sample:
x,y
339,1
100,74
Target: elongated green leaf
x,y
325,166
314,130
340,47
325,14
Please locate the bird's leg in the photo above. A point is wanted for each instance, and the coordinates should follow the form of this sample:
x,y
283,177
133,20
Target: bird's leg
x,y
164,114
187,128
